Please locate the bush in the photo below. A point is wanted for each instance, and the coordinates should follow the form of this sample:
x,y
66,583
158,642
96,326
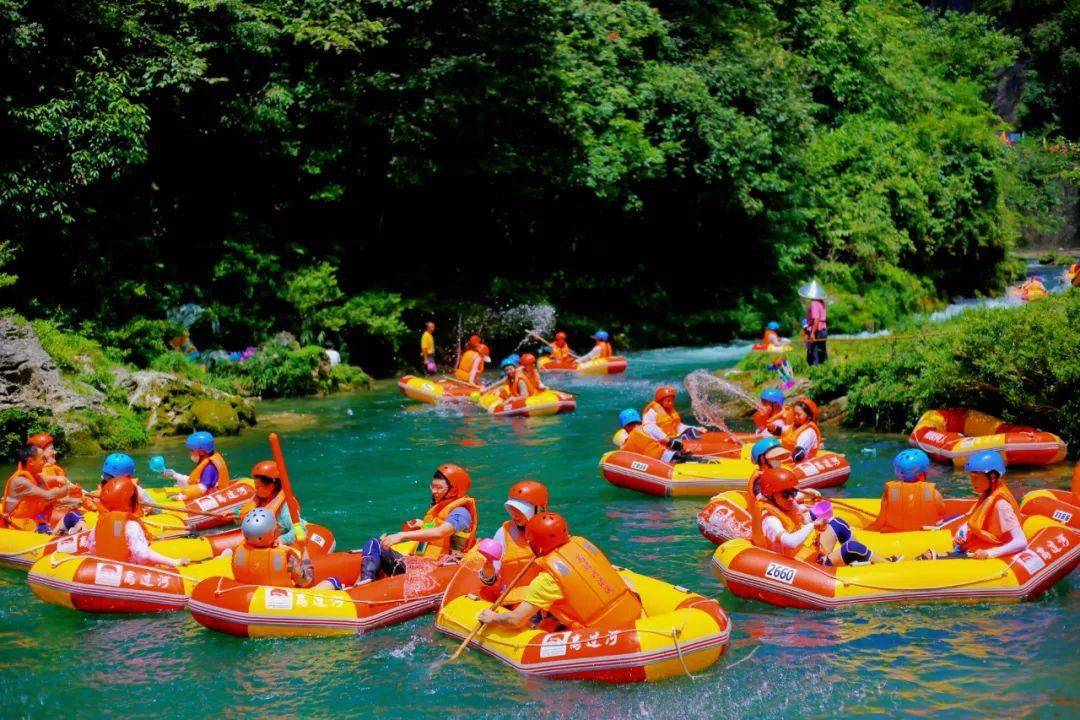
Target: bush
x,y
17,424
142,340
77,356
349,377
117,428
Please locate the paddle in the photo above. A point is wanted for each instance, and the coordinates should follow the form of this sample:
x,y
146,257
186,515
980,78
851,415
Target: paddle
x,y
480,626
551,344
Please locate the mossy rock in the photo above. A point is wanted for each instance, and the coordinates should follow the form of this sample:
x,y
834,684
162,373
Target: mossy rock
x,y
218,417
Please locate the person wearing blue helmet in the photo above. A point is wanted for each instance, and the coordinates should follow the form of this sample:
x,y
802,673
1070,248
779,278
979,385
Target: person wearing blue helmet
x,y
772,404
28,503
992,527
210,471
909,502
771,338
633,438
602,348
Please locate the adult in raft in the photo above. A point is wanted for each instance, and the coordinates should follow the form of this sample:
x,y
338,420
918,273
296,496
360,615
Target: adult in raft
x,y
602,348
771,406
909,502
636,440
427,348
270,497
28,502
55,476
815,326
265,558
662,422
992,527
119,534
525,500
528,372
560,351
210,471
576,585
803,436
786,524
447,530
470,367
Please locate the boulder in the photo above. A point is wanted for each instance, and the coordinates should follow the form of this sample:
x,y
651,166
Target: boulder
x,y
176,405
30,379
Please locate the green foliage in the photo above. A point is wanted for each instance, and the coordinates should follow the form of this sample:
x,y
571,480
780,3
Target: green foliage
x,y
141,340
278,371
17,424
78,357
118,428
7,253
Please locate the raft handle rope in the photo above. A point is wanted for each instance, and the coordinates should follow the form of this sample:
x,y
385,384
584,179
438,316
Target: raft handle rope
x,y
675,633
868,586
744,659
58,538
312,592
57,563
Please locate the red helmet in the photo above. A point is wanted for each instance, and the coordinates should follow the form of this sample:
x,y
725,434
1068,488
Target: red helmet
x,y
774,480
665,391
528,360
532,492
267,469
546,532
560,336
41,440
475,341
809,406
118,494
457,478
485,352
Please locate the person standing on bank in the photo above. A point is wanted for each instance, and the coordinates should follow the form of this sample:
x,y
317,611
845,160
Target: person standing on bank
x,y
815,326
427,348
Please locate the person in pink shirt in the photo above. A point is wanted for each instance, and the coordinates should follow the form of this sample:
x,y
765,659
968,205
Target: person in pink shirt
x,y
815,326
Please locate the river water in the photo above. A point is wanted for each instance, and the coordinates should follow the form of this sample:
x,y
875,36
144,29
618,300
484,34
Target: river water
x,y
362,465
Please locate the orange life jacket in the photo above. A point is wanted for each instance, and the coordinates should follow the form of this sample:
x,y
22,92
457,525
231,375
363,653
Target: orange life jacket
x,y
984,527
762,415
791,434
27,507
218,461
668,422
786,415
605,349
908,506
110,541
791,522
464,370
559,352
264,566
594,594
273,505
516,555
640,442
456,542
523,377
770,338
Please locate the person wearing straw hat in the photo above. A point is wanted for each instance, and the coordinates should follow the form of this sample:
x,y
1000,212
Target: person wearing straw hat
x,y
815,326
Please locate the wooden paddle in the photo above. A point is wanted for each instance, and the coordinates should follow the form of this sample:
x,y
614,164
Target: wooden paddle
x,y
550,344
480,626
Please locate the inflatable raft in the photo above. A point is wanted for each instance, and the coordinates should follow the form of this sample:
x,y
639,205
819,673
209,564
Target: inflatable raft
x,y
94,584
712,443
598,366
680,632
427,390
545,402
757,574
954,434
1059,505
245,610
221,503
655,477
727,517
770,348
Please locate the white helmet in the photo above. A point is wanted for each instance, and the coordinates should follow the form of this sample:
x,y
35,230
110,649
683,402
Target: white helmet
x,y
259,527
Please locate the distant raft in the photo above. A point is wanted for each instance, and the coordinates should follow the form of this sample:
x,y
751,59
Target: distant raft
x,y
655,477
954,434
758,574
428,390
680,632
597,366
545,402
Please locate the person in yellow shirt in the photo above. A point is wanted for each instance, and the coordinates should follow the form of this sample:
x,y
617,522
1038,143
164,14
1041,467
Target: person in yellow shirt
x,y
427,348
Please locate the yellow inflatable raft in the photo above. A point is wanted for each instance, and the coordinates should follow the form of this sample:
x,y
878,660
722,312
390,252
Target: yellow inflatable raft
x,y
433,391
545,402
680,632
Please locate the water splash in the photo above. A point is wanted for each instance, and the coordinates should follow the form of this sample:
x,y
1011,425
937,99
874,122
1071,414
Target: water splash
x,y
708,393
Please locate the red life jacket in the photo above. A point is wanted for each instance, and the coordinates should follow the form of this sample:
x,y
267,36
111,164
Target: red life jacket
x,y
110,540
790,436
454,542
908,506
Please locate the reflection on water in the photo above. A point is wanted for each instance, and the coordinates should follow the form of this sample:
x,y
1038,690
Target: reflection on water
x,y
362,473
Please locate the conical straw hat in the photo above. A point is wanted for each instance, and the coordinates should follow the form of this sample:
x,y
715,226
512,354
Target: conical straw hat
x,y
812,291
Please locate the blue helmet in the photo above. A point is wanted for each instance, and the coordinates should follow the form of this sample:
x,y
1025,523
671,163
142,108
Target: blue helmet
x,y
985,462
763,446
601,335
773,325
629,415
201,440
118,465
772,395
510,360
910,464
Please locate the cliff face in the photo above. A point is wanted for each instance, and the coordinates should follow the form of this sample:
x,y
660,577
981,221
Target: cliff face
x,y
29,378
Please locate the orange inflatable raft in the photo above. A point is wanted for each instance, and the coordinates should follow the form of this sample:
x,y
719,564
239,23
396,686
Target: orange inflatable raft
x,y
712,443
679,632
597,366
428,390
221,503
655,477
245,610
954,434
1060,505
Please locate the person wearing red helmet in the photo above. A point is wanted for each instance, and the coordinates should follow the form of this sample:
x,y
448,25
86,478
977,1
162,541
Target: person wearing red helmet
x,y
119,534
524,501
661,421
787,524
560,350
470,365
447,530
55,476
802,437
27,502
528,380
269,495
576,585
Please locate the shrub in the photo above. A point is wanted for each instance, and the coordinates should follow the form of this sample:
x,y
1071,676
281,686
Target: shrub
x,y
17,424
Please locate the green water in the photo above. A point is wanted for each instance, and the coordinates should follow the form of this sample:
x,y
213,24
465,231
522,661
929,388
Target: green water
x,y
364,466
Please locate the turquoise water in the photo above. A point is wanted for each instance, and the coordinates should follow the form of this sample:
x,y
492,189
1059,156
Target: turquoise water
x,y
364,465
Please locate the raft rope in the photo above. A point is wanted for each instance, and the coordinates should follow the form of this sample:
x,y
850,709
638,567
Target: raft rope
x,y
81,533
311,592
678,649
744,659
853,583
57,563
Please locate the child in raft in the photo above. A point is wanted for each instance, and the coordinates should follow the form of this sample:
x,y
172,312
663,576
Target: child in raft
x,y
209,474
507,553
263,559
787,523
992,527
